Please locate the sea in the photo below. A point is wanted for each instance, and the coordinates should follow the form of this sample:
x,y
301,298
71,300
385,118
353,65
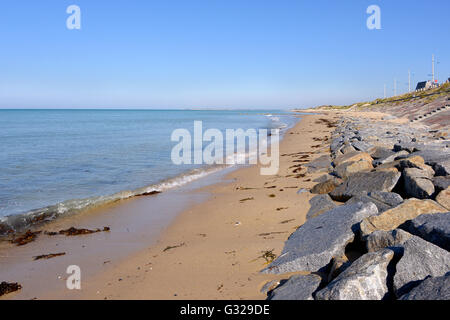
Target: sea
x,y
56,162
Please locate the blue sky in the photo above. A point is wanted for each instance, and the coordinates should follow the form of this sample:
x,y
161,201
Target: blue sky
x,y
211,53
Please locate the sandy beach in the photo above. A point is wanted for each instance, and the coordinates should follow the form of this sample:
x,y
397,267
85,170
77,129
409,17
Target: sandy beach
x,y
214,249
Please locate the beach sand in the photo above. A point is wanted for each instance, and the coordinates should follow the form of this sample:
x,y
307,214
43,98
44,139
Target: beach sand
x,y
214,249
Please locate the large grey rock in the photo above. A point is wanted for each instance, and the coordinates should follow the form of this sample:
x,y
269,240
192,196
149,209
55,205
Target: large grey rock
x,y
365,279
441,183
362,146
383,200
320,204
346,169
312,246
336,144
408,146
417,183
390,198
432,288
434,228
438,159
366,199
391,157
381,239
442,167
322,163
298,287
380,153
364,182
420,259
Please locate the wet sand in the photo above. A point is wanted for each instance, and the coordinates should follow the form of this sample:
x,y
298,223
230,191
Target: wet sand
x,y
214,249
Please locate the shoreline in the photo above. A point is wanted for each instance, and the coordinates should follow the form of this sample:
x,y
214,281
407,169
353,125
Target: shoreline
x,y
94,220
215,249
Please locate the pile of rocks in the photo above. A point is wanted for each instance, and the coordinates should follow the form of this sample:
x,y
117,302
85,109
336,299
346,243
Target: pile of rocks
x,y
379,224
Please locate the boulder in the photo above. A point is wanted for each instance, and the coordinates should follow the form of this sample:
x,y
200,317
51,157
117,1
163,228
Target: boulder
x,y
442,168
432,288
347,149
441,183
380,239
391,157
383,200
438,159
320,204
380,153
364,182
408,146
420,259
365,279
413,162
366,199
326,186
346,169
298,287
312,246
417,183
352,157
393,218
443,198
390,198
322,163
323,178
336,144
418,173
362,146
434,228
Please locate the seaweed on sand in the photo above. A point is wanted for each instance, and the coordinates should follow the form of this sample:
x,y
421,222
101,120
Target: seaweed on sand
x,y
48,256
267,255
6,287
173,247
26,238
72,231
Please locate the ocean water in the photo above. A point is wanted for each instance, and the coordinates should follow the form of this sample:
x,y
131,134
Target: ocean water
x,y
59,161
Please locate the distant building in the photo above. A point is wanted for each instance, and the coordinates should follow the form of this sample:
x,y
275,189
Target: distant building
x,y
425,85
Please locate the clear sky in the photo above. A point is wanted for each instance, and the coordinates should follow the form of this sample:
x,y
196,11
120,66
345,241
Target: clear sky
x,y
215,53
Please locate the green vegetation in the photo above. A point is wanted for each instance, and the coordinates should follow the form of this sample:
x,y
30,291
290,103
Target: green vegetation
x,y
427,96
